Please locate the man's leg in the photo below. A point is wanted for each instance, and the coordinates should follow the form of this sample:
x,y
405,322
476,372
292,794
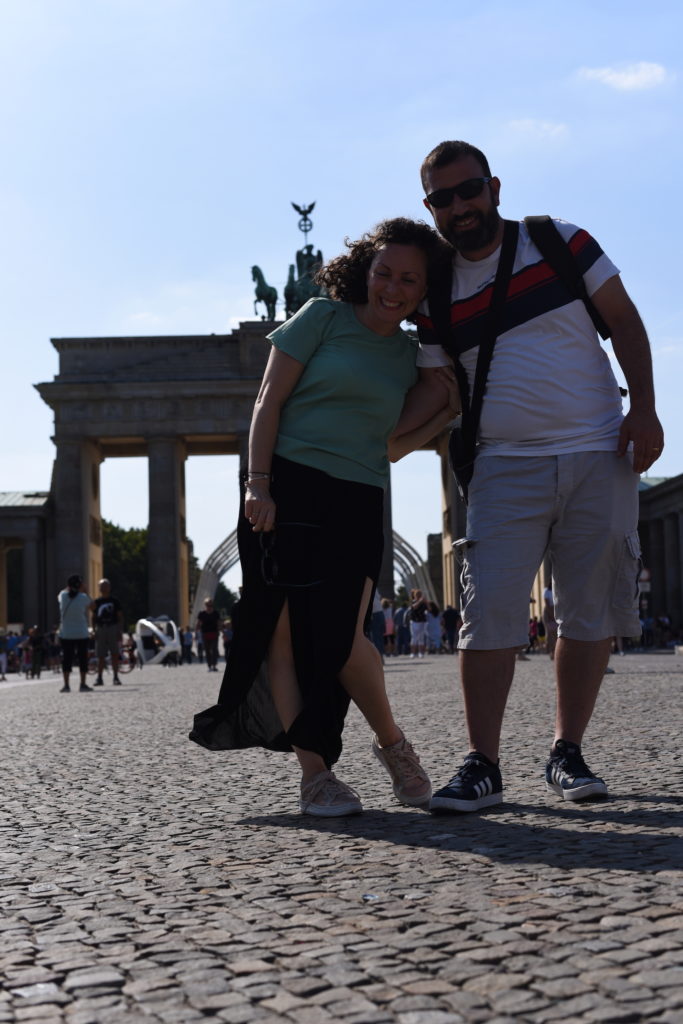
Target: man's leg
x,y
579,666
486,677
508,521
596,557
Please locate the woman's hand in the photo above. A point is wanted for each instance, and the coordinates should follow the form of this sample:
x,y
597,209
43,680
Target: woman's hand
x,y
259,507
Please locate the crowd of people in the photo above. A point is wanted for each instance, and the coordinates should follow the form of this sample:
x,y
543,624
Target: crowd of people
x,y
194,642
415,627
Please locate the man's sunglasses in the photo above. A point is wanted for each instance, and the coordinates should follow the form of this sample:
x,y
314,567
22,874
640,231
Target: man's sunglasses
x,y
469,189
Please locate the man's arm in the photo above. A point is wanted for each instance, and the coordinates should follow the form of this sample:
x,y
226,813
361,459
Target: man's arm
x,y
632,349
429,407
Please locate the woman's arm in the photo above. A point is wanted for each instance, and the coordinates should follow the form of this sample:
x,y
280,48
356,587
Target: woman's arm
x,y
429,407
279,380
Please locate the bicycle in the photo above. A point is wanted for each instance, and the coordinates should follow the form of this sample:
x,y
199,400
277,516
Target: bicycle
x,y
127,660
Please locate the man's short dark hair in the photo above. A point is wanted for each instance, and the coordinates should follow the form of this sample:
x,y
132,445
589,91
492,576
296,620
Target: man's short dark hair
x,y
447,153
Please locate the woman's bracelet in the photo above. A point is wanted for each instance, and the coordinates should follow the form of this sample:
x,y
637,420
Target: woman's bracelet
x,y
258,476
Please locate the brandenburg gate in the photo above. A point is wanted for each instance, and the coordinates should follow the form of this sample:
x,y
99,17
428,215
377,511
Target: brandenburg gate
x,y
165,398
161,397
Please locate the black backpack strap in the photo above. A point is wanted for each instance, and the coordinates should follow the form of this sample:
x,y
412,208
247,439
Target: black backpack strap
x,y
492,327
556,252
439,302
462,445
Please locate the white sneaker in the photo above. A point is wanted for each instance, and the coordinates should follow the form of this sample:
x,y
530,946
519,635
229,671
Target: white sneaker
x,y
326,796
411,783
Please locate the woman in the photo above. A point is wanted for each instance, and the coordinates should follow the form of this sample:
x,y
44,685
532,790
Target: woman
x,y
433,627
74,632
311,536
418,623
388,612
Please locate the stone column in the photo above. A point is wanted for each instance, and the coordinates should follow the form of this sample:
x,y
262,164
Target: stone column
x,y
3,585
167,544
78,525
657,568
33,583
672,558
454,518
448,526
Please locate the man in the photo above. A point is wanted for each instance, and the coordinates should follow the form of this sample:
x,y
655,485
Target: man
x,y
187,637
207,624
451,624
418,624
106,620
557,468
402,627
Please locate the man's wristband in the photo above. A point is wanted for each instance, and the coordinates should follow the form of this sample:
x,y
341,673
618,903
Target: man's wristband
x,y
258,476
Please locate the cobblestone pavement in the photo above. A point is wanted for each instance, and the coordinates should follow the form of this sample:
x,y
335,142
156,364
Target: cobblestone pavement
x,y
144,879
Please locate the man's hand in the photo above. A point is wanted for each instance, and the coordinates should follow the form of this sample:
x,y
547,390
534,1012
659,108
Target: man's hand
x,y
645,431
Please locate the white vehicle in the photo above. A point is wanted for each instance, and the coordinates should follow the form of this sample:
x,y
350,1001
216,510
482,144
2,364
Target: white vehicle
x,y
157,639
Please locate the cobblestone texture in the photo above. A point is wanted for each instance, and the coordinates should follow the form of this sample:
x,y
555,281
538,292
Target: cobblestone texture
x,y
143,879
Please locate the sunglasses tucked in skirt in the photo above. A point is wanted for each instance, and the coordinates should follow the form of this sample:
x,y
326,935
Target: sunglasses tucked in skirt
x,y
327,541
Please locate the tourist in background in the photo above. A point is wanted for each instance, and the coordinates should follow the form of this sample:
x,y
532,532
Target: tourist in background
x,y
451,624
433,628
389,628
107,620
74,634
402,628
187,638
207,622
418,624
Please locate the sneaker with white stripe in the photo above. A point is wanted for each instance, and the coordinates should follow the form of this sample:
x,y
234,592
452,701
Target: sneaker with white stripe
x,y
568,775
476,784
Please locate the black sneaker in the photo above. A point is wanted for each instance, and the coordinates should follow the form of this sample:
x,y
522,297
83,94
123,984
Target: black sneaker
x,y
568,775
65,689
117,681
477,784
99,681
84,688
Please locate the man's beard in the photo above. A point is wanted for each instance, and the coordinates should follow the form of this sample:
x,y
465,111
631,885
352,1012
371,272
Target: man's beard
x,y
477,237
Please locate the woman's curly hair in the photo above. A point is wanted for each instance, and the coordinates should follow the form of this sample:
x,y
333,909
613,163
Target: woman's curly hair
x,y
345,277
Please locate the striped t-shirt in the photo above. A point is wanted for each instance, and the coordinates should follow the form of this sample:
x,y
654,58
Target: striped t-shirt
x,y
550,388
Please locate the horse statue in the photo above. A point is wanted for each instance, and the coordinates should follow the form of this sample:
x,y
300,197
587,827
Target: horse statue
x,y
265,293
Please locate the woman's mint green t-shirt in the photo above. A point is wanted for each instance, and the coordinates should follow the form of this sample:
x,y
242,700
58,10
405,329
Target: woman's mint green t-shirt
x,y
349,397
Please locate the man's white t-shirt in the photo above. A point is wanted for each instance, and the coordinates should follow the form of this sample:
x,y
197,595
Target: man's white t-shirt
x,y
550,388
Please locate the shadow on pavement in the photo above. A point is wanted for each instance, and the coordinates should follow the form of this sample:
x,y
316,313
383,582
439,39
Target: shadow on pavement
x,y
540,839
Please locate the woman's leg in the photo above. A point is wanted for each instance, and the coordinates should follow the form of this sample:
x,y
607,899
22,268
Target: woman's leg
x,y
363,679
285,690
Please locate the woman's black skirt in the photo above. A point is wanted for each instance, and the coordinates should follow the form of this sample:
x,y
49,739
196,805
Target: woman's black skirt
x,y
327,541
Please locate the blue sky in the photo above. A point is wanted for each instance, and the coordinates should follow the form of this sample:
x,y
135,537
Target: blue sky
x,y
151,149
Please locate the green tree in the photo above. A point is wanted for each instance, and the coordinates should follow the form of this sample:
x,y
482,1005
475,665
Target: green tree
x,y
224,599
125,565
